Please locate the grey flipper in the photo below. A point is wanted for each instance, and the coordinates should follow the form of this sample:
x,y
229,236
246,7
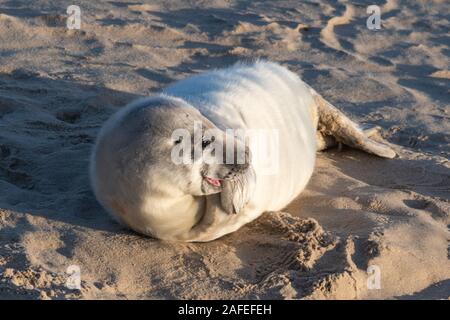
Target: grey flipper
x,y
334,127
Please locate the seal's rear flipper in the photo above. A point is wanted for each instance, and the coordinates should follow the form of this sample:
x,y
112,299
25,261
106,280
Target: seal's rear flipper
x,y
335,127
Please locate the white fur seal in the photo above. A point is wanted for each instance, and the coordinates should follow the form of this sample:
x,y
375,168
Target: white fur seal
x,y
134,175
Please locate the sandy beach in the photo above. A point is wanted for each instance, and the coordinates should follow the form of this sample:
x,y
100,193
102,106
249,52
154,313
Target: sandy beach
x,y
365,227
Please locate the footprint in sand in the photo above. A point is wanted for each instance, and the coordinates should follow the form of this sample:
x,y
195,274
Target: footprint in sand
x,y
270,32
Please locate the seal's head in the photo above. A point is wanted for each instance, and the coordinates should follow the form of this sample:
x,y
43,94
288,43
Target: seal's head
x,y
163,143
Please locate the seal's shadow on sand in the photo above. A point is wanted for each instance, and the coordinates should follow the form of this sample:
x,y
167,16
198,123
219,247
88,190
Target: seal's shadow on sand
x,y
48,129
425,177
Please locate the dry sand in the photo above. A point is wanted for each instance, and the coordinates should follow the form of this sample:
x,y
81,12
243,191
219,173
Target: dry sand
x,y
57,86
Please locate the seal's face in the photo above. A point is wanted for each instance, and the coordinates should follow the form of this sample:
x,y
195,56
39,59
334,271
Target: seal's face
x,y
209,154
185,150
223,157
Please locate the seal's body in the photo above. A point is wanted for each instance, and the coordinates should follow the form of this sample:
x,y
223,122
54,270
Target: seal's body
x,y
270,100
135,178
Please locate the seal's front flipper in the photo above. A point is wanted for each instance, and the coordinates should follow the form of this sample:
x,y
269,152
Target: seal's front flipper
x,y
236,193
335,127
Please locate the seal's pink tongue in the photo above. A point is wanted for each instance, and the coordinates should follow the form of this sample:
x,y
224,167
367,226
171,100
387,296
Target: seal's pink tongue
x,y
214,182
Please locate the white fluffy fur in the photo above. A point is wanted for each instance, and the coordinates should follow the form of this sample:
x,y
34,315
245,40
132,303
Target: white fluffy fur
x,y
261,95
266,96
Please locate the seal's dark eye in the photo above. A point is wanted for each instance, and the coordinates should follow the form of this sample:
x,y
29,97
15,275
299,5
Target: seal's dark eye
x,y
205,143
178,141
